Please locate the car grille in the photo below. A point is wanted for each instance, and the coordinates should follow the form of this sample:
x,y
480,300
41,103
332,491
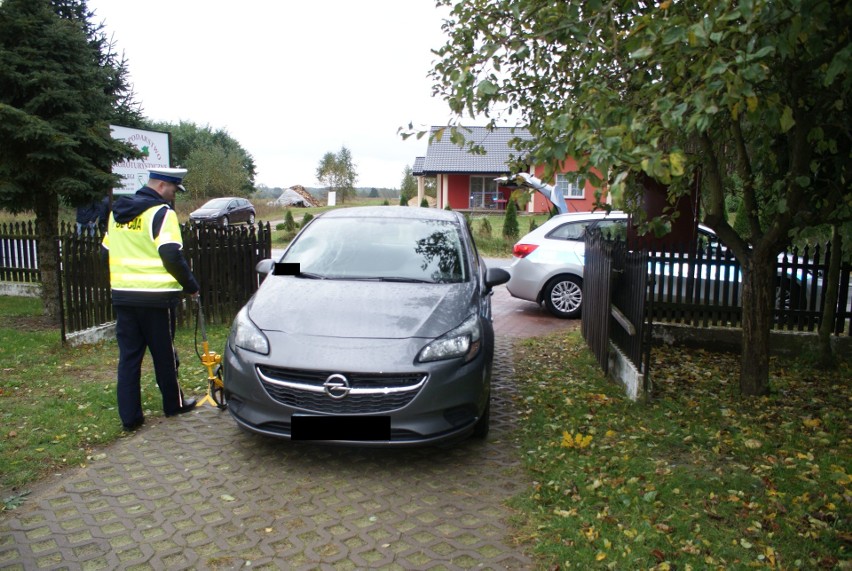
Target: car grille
x,y
369,393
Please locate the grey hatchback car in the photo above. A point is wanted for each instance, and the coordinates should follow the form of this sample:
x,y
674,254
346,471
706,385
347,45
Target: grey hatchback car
x,y
373,329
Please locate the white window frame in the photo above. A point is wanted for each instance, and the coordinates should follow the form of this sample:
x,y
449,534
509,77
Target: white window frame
x,y
486,186
569,186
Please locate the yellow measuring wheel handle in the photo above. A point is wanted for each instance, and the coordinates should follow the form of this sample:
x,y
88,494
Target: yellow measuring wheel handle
x,y
210,359
215,396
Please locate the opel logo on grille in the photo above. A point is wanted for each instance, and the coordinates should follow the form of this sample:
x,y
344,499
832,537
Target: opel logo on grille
x,y
337,386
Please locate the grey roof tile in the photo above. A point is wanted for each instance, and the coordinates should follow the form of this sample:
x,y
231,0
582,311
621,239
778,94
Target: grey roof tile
x,y
417,169
446,157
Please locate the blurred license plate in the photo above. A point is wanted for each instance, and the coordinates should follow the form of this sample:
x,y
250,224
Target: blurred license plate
x,y
317,427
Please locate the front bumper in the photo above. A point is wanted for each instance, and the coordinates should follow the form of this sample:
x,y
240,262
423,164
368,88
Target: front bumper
x,y
426,404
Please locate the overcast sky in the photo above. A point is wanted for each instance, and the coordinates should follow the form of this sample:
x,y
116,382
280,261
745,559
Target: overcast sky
x,y
289,80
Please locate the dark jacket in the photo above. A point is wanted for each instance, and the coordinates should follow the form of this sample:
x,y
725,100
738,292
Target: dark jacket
x,y
87,213
125,209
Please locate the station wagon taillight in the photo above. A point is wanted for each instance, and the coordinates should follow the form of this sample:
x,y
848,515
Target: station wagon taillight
x,y
523,250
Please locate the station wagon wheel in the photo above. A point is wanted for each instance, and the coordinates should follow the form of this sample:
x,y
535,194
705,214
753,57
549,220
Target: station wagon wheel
x,y
225,222
251,218
786,294
563,296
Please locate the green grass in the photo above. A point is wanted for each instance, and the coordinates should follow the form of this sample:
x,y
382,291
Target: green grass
x,y
57,403
698,478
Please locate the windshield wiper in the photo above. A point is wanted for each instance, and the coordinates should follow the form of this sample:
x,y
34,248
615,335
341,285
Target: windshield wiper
x,y
404,280
394,279
310,276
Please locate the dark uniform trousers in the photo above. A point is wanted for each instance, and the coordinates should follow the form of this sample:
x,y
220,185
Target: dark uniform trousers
x,y
138,328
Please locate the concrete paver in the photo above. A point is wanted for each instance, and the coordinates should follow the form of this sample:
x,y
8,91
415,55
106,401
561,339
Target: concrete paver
x,y
195,492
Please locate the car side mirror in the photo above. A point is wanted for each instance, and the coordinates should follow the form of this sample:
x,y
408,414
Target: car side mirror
x,y
495,277
265,267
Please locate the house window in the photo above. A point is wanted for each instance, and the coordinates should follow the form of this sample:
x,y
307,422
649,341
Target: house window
x,y
484,193
569,185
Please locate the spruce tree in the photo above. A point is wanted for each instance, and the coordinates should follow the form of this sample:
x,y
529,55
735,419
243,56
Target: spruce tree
x,y
510,221
60,89
289,222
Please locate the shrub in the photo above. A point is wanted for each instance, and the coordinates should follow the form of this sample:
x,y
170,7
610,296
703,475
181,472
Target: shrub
x,y
485,228
307,218
533,224
510,221
424,203
385,203
402,201
289,223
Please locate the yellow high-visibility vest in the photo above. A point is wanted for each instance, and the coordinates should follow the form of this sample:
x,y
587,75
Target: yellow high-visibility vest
x,y
134,260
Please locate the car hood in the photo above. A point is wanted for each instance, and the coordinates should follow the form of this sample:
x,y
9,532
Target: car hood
x,y
360,309
205,212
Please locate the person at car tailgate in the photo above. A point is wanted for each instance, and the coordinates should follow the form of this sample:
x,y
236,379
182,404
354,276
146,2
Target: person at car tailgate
x,y
148,274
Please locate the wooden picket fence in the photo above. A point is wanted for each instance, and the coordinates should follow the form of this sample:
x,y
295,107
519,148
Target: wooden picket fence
x,y
703,288
625,292
222,259
19,253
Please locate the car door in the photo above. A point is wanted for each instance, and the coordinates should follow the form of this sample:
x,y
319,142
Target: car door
x,y
568,241
235,213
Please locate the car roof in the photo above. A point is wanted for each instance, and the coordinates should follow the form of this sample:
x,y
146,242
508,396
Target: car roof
x,y
597,215
579,216
413,213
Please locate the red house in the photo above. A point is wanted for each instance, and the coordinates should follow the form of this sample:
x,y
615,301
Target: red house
x,y
465,181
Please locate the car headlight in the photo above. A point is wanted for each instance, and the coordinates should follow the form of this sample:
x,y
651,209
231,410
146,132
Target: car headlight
x,y
246,335
463,341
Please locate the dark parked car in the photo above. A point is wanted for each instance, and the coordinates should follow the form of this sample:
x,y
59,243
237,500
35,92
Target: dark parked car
x,y
224,211
373,329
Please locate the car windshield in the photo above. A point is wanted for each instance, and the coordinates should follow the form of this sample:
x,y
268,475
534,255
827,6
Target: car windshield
x,y
382,249
217,203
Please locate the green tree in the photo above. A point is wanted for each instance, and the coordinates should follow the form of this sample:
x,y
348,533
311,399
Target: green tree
x,y
750,96
218,165
510,221
289,222
215,171
61,86
337,172
408,186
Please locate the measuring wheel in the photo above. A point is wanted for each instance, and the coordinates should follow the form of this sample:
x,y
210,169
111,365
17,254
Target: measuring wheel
x,y
217,390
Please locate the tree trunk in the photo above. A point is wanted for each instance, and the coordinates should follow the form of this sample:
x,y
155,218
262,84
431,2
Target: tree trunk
x,y
829,307
758,301
47,226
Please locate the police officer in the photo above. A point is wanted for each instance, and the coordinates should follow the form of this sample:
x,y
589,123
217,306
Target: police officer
x,y
148,274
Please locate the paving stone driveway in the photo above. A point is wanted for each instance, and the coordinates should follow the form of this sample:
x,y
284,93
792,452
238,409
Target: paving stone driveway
x,y
195,492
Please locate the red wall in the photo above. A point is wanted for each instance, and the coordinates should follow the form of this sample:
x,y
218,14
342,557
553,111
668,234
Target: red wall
x,y
459,192
584,204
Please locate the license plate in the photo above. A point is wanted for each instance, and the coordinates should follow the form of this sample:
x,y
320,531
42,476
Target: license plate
x,y
358,428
